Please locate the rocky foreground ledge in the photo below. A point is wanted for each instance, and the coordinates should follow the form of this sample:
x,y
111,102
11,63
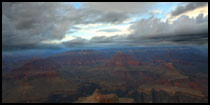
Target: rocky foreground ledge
x,y
97,97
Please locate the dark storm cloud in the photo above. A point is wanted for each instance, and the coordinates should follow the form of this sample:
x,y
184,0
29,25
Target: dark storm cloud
x,y
183,39
86,16
104,39
32,46
190,6
28,24
77,42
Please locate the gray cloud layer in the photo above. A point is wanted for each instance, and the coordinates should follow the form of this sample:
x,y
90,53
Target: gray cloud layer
x,y
109,30
121,7
184,30
190,6
153,31
26,25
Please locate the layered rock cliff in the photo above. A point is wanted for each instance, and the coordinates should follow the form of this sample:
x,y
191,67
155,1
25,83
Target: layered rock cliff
x,y
97,97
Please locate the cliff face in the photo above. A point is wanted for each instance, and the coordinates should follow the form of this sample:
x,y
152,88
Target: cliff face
x,y
97,97
161,96
35,69
120,59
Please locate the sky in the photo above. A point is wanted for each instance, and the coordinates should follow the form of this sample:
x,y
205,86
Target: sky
x,y
40,25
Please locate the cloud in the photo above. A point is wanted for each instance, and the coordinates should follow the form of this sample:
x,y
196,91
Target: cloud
x,y
155,11
77,42
32,46
201,19
153,31
184,30
104,39
29,24
88,15
97,41
109,30
181,39
50,25
112,17
121,7
188,7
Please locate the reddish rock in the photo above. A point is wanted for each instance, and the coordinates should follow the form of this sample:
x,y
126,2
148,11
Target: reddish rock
x,y
193,85
121,59
169,66
97,97
143,63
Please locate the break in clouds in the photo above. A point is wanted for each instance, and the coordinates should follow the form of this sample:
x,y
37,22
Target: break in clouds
x,y
28,25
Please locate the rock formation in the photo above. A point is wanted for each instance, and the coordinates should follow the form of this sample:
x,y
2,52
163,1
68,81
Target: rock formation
x,y
97,97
